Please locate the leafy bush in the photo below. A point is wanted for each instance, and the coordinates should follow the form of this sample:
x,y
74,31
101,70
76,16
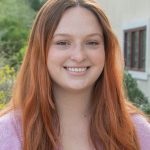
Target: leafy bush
x,y
135,95
19,55
12,40
7,78
36,4
145,108
2,106
15,23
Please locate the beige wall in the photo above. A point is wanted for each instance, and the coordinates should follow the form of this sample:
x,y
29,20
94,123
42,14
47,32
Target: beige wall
x,y
125,14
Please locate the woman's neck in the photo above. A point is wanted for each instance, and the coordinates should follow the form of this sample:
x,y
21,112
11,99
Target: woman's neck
x,y
72,105
74,116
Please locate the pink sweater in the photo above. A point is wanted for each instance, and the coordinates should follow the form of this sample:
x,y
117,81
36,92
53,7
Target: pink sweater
x,y
11,138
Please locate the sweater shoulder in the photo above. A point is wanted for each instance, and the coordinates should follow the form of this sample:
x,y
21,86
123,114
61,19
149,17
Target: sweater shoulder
x,y
9,132
142,127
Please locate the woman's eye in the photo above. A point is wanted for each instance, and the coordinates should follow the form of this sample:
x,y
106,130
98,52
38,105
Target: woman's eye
x,y
92,43
63,43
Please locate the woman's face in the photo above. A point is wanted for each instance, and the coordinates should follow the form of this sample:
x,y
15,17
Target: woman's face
x,y
76,55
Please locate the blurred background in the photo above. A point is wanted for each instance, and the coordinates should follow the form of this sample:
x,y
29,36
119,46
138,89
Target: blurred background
x,y
130,21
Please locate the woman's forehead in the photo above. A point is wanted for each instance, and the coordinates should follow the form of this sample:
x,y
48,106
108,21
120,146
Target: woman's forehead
x,y
78,20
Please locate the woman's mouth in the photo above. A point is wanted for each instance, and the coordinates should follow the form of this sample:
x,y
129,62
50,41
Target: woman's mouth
x,y
77,70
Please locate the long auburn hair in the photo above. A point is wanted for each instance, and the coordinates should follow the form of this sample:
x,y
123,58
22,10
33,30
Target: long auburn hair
x,y
111,123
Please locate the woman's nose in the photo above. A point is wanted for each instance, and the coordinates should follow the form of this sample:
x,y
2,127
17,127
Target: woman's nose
x,y
78,54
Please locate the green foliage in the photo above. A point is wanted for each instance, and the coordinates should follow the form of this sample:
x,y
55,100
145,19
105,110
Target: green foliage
x,y
7,78
15,23
36,4
20,55
135,95
13,40
145,108
2,106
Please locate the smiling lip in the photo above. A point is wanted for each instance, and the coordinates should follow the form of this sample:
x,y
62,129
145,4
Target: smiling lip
x,y
78,71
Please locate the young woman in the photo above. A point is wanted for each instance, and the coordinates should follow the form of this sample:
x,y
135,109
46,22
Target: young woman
x,y
69,93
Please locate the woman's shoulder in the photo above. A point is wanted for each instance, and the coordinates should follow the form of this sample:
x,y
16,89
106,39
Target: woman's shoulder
x,y
10,132
142,127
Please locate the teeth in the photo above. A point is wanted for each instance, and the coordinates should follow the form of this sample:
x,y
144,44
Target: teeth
x,y
76,69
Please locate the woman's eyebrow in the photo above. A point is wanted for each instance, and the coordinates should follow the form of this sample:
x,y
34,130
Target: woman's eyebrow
x,y
69,35
61,34
95,34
